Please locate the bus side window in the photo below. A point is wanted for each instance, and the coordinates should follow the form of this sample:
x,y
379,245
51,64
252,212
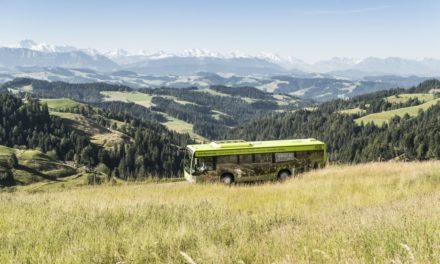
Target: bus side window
x,y
286,156
209,163
263,158
227,159
303,154
246,158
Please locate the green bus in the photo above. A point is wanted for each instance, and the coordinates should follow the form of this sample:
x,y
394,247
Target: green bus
x,y
241,161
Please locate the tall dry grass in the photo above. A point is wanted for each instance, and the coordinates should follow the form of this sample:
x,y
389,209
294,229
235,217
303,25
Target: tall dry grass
x,y
375,213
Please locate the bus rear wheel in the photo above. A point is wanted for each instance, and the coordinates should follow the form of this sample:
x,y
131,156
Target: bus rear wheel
x,y
227,179
283,175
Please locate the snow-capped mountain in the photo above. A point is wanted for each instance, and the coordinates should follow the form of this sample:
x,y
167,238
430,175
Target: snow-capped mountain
x,y
29,53
43,47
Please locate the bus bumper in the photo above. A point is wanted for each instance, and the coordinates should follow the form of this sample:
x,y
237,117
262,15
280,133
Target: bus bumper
x,y
189,177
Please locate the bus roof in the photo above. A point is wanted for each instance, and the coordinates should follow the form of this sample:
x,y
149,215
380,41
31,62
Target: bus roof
x,y
231,147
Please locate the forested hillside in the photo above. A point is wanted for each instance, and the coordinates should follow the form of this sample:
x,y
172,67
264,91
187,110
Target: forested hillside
x,y
28,124
83,92
192,110
127,134
405,138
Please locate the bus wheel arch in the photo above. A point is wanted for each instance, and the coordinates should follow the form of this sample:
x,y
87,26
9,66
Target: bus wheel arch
x,y
283,174
227,178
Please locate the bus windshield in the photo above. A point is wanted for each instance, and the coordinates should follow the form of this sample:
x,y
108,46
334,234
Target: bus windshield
x,y
187,161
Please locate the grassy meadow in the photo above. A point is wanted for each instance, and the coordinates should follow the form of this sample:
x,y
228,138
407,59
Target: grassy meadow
x,y
403,98
353,111
375,213
33,166
382,117
129,97
59,103
172,123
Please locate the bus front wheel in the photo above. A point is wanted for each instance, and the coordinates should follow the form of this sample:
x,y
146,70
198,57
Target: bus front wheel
x,y
283,175
227,179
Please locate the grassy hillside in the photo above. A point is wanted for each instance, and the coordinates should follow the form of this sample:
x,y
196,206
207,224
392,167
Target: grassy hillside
x,y
33,166
372,213
98,134
353,111
133,97
59,103
143,99
403,98
380,118
181,126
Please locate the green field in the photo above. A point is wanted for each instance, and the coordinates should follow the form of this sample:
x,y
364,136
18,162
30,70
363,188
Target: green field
x,y
174,124
59,103
353,111
371,213
218,114
133,97
403,98
98,134
33,166
211,92
380,118
183,127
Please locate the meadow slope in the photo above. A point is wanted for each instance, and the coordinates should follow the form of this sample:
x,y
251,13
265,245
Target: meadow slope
x,y
375,213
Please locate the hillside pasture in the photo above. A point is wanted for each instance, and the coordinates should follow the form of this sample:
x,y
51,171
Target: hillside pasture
x,y
33,166
403,98
172,123
59,103
353,111
370,213
386,116
128,97
182,127
98,134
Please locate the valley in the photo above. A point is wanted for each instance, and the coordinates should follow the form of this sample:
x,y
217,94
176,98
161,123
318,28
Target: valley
x,y
110,120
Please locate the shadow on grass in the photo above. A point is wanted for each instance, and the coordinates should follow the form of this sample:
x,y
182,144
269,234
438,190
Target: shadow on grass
x,y
37,173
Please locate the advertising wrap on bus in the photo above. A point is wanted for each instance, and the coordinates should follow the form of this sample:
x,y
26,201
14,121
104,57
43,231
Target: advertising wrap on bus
x,y
241,161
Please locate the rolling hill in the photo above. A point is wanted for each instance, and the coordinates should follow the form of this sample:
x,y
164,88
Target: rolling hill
x,y
132,134
320,87
375,212
386,116
189,110
32,166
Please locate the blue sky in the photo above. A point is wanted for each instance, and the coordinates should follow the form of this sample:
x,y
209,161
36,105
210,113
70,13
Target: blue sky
x,y
310,30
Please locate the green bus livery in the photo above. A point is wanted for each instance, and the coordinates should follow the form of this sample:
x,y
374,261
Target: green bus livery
x,y
241,161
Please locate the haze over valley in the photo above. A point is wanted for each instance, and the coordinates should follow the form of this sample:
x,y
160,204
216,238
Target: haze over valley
x,y
322,80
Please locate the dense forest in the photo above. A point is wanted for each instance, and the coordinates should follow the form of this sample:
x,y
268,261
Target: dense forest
x,y
212,114
131,109
81,92
406,138
250,92
27,124
221,108
374,102
152,149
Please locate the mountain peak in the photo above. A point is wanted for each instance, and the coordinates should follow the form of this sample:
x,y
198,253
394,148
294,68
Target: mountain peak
x,y
43,47
27,43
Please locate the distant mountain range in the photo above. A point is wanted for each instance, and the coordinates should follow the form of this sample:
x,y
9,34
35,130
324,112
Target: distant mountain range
x,y
318,87
31,54
321,81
